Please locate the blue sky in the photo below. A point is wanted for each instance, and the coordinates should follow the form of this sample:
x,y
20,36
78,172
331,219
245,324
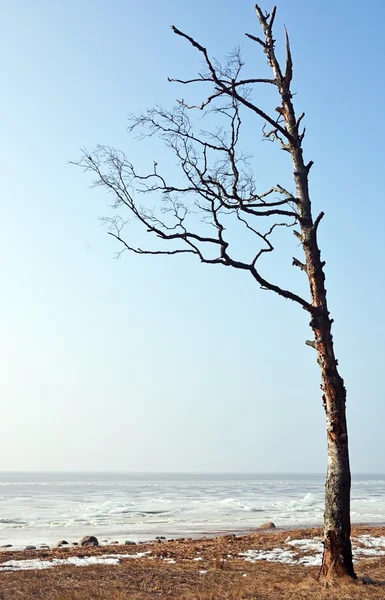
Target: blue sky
x,y
139,364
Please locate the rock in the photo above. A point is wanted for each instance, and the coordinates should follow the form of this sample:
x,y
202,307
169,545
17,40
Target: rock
x,y
115,542
268,525
6,546
44,546
62,543
128,543
89,540
30,548
75,543
160,537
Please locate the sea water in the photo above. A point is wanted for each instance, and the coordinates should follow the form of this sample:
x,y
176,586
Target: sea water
x,y
40,508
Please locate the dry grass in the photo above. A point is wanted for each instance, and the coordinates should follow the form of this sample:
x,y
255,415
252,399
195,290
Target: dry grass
x,y
143,579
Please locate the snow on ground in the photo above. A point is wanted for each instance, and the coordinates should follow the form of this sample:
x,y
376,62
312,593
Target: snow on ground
x,y
313,545
370,541
364,546
275,555
303,551
36,563
368,546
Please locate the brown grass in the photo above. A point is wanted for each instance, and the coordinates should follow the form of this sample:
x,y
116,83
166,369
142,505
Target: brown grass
x,y
143,579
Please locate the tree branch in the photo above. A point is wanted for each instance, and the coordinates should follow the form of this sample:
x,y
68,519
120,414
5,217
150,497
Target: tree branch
x,y
229,89
217,185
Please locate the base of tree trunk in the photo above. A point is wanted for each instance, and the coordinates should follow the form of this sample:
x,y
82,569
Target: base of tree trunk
x,y
337,560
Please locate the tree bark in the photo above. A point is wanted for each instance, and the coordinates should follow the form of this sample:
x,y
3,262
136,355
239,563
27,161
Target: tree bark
x,y
337,558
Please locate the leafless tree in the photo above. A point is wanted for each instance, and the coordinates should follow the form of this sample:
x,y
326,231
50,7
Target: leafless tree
x,y
216,194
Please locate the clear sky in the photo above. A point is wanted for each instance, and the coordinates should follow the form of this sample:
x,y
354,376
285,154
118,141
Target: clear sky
x,y
166,364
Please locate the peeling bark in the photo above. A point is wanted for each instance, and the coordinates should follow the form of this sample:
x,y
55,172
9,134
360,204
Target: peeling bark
x,y
337,559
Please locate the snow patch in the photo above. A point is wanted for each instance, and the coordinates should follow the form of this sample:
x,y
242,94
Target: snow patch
x,y
313,549
370,541
275,555
76,561
311,545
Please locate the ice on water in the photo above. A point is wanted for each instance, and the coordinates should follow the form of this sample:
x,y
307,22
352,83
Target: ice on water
x,y
43,508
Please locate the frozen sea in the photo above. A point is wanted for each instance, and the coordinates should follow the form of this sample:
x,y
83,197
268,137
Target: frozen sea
x,y
40,508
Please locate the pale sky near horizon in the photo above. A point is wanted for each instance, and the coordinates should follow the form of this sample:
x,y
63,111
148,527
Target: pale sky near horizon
x,y
162,364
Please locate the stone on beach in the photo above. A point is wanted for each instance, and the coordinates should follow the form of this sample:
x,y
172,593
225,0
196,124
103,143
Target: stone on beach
x,y
268,525
62,543
89,540
30,548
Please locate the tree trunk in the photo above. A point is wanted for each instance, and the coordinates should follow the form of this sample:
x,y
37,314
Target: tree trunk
x,y
337,559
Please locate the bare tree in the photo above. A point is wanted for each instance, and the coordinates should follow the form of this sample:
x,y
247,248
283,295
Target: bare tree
x,y
215,195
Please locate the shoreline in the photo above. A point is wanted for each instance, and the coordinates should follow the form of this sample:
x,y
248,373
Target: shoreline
x,y
128,542
265,565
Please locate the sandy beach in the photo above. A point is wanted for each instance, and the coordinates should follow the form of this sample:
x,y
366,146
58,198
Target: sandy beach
x,y
262,565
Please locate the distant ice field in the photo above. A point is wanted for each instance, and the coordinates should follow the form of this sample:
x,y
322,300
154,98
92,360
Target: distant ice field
x,y
40,508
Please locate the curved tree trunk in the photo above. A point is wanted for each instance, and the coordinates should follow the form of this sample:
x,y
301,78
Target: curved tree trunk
x,y
337,559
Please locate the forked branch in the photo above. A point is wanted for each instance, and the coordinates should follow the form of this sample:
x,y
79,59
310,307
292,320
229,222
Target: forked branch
x,y
217,196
